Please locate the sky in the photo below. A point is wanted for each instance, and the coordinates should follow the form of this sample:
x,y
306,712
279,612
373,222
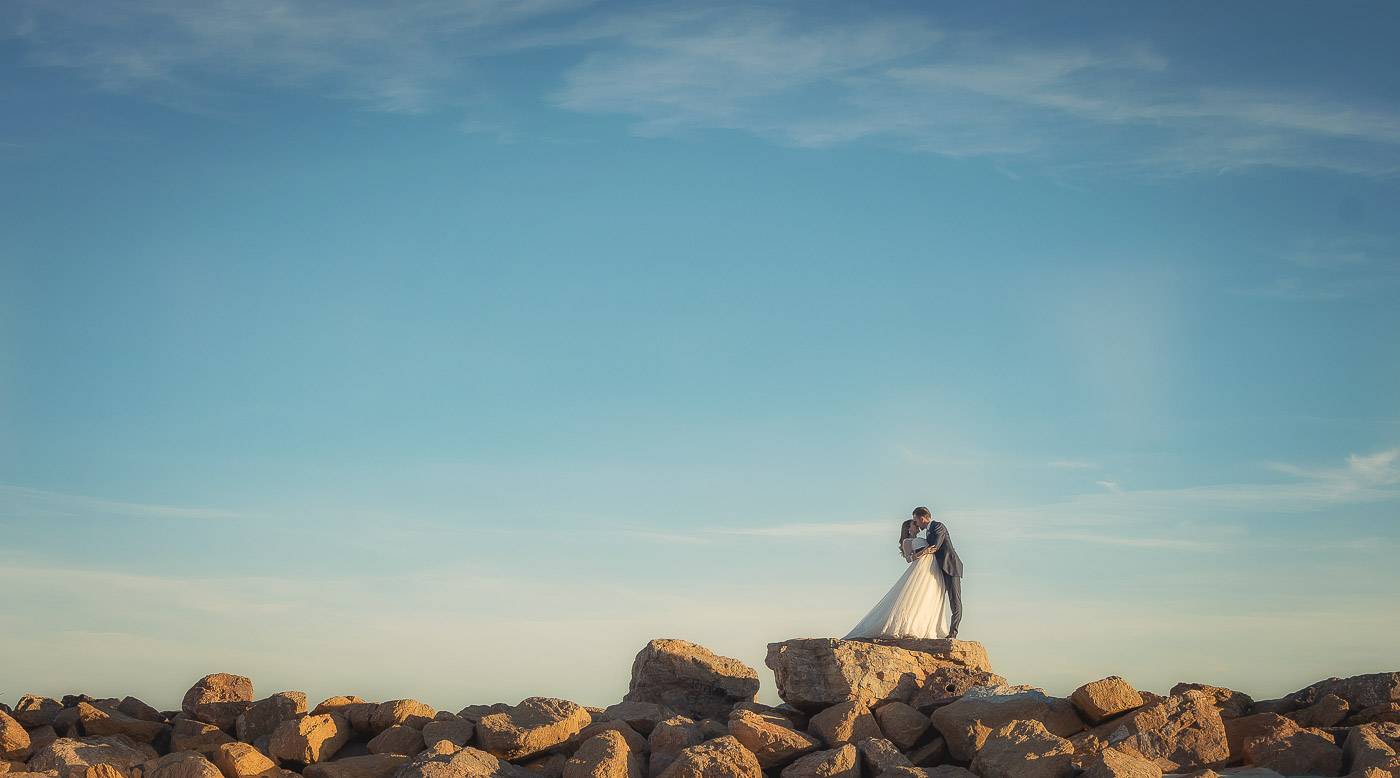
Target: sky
x,y
453,350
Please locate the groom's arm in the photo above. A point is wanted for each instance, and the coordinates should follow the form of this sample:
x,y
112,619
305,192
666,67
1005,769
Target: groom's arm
x,y
937,537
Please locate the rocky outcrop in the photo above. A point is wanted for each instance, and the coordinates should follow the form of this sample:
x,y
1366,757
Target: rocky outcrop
x,y
845,722
308,739
218,699
1023,749
835,763
814,673
14,738
966,724
1360,691
180,764
1103,699
690,679
775,744
264,716
536,724
240,760
723,756
605,755
71,757
1181,731
367,766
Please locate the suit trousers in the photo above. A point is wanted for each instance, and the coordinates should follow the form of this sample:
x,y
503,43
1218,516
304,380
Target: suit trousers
x,y
953,583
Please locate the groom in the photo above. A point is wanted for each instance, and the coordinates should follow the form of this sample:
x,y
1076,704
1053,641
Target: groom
x,y
941,546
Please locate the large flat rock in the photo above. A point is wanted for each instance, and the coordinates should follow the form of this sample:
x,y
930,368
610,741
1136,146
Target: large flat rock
x,y
815,673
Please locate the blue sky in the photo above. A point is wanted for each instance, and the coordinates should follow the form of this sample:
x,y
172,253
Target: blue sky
x,y
454,350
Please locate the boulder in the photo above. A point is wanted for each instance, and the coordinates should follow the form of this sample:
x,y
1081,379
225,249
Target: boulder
x,y
473,713
1023,749
635,742
34,711
640,716
794,717
40,737
463,763
1360,691
965,724
536,724
903,724
367,766
934,752
1230,703
775,745
842,762
1112,763
192,735
66,722
815,673
605,755
1302,752
547,766
1385,712
668,739
1328,711
940,771
180,764
139,710
879,755
690,679
845,722
71,757
218,699
455,731
308,739
240,760
1373,747
408,713
399,739
96,721
265,715
722,757
946,684
1238,730
1103,699
339,703
1182,731
14,739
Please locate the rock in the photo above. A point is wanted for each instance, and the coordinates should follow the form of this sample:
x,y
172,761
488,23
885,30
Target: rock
x,y
308,739
264,716
774,745
71,757
712,728
1360,691
1385,712
180,764
218,699
139,710
690,679
548,766
192,735
456,731
40,737
1373,747
338,704
66,722
815,673
473,713
640,716
903,724
934,752
1100,700
940,771
722,757
1232,704
399,739
1303,752
842,762
1023,749
14,739
240,760
367,766
536,724
1113,763
784,714
668,739
408,713
879,755
635,742
605,755
113,722
845,722
1237,731
33,711
1329,711
463,763
965,724
1182,731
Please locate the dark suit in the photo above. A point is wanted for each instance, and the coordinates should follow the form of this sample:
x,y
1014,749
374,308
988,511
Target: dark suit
x,y
947,558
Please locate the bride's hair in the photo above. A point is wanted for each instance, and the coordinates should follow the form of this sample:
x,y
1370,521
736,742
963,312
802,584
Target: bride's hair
x,y
904,533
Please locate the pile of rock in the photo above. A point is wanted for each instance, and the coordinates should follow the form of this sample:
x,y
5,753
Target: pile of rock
x,y
852,709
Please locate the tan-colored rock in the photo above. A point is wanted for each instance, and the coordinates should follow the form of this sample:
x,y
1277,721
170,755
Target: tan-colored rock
x,y
879,755
104,771
775,745
1373,747
536,724
180,764
40,737
1023,749
398,739
902,723
816,673
265,715
14,739
1112,763
640,716
939,771
96,721
192,735
723,757
842,762
1181,732
1376,714
456,731
946,684
605,755
338,704
1328,711
547,766
783,714
240,760
308,739
965,724
1103,699
408,713
473,713
463,763
71,757
845,722
668,739
1360,691
33,711
635,741
367,766
219,699
1303,752
1231,704
690,679
932,753
1238,730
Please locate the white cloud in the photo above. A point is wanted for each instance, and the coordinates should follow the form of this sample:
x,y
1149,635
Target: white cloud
x,y
20,502
1071,464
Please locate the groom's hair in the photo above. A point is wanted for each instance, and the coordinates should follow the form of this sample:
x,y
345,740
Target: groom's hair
x,y
922,513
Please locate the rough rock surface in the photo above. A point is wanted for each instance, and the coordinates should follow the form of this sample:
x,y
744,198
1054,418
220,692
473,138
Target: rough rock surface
x,y
840,762
946,684
640,716
1373,747
1105,698
1231,703
1181,731
668,739
219,699
1023,749
903,724
606,755
409,713
966,723
191,735
308,739
1301,752
463,763
534,725
845,722
240,760
33,711
97,721
455,731
1360,691
398,739
1113,763
723,757
263,716
690,679
14,738
813,673
71,757
879,755
180,764
775,745
367,766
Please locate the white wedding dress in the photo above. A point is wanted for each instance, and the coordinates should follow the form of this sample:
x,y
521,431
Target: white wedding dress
x,y
915,608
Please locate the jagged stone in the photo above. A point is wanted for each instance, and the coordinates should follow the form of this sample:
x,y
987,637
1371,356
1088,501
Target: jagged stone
x,y
308,739
1373,747
1112,763
192,735
903,724
605,755
264,716
965,724
1360,691
240,760
815,673
932,753
1385,712
1230,703
775,745
1302,752
690,679
473,713
456,731
635,741
536,724
547,766
640,716
180,764
463,763
879,755
71,757
946,684
1023,749
1238,730
14,739
1182,731
219,699
96,721
408,713
367,766
1103,699
842,762
338,704
1329,711
668,739
723,757
938,771
845,722
34,711
398,739
137,709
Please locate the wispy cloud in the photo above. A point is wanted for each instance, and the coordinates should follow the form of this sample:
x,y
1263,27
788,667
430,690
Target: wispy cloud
x,y
1071,464
20,502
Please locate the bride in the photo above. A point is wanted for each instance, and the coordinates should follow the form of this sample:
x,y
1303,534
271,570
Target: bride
x,y
915,607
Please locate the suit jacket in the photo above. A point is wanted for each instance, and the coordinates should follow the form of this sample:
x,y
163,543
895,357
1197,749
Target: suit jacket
x,y
942,545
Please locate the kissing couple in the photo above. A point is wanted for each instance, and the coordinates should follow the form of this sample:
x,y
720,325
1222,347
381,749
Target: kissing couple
x,y
919,605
